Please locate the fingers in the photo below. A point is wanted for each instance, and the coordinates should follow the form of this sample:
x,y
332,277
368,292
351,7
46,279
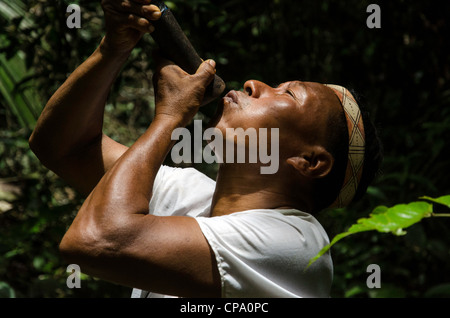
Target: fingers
x,y
147,11
206,71
137,14
204,74
136,22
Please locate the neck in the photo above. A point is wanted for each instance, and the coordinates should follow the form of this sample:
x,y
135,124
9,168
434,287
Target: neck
x,y
239,188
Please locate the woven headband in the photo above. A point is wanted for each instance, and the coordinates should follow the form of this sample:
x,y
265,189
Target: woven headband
x,y
356,146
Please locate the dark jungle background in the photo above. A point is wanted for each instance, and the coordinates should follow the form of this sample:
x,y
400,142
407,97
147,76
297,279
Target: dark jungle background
x,y
401,71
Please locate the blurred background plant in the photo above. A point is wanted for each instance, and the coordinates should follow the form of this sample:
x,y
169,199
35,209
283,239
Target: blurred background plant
x,y
401,71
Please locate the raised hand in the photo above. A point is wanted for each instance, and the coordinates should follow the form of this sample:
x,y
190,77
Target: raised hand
x,y
179,94
126,22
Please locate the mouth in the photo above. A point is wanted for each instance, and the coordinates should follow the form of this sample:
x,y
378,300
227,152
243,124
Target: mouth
x,y
231,97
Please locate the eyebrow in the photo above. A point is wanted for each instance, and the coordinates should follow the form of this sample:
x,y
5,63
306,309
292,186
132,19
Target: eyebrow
x,y
291,85
295,83
278,86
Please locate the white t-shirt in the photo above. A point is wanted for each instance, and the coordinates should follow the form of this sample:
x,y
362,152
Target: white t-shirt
x,y
259,253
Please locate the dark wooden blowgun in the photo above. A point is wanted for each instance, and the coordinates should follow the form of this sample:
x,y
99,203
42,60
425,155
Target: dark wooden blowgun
x,y
176,47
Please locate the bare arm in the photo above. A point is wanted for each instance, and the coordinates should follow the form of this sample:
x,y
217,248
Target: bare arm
x,y
68,137
113,236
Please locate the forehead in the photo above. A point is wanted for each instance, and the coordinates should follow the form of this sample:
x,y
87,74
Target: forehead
x,y
311,86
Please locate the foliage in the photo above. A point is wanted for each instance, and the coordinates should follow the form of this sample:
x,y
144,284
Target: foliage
x,y
390,220
402,72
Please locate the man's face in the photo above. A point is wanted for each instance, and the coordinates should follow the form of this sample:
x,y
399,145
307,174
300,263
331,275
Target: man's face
x,y
299,109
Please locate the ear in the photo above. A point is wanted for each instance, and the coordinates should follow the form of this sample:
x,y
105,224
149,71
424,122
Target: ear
x,y
316,163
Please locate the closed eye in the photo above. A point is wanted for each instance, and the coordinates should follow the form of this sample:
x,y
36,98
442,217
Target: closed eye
x,y
289,92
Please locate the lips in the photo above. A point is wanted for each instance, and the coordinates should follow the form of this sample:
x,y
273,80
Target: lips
x,y
231,97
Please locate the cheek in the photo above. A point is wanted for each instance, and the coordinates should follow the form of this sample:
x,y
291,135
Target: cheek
x,y
233,117
258,114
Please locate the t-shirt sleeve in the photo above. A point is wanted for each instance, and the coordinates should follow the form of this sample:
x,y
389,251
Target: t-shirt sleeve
x,y
265,254
181,191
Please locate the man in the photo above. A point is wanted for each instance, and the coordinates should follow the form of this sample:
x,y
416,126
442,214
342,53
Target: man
x,y
174,231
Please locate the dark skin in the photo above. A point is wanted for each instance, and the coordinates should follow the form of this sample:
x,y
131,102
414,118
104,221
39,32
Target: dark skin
x,y
113,236
300,111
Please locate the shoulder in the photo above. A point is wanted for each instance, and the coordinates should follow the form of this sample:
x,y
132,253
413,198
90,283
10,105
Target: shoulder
x,y
269,230
276,244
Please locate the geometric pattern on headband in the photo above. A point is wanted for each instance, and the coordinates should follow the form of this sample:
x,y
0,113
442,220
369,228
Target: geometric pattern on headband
x,y
356,146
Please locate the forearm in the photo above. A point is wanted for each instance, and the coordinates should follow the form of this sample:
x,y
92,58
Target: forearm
x,y
127,186
73,117
122,194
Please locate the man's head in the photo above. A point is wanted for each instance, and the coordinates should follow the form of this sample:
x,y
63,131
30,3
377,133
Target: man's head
x,y
313,136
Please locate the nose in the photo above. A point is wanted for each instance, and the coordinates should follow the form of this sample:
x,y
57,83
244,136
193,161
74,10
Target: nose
x,y
255,88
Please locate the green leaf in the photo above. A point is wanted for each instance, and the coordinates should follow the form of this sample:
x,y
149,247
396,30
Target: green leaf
x,y
380,209
386,220
444,200
396,218
25,105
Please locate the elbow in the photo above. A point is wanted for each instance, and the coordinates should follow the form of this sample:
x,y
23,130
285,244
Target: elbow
x,y
68,251
74,248
33,143
37,146
88,246
44,150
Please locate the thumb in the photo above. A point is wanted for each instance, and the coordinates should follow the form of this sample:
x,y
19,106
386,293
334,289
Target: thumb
x,y
206,71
